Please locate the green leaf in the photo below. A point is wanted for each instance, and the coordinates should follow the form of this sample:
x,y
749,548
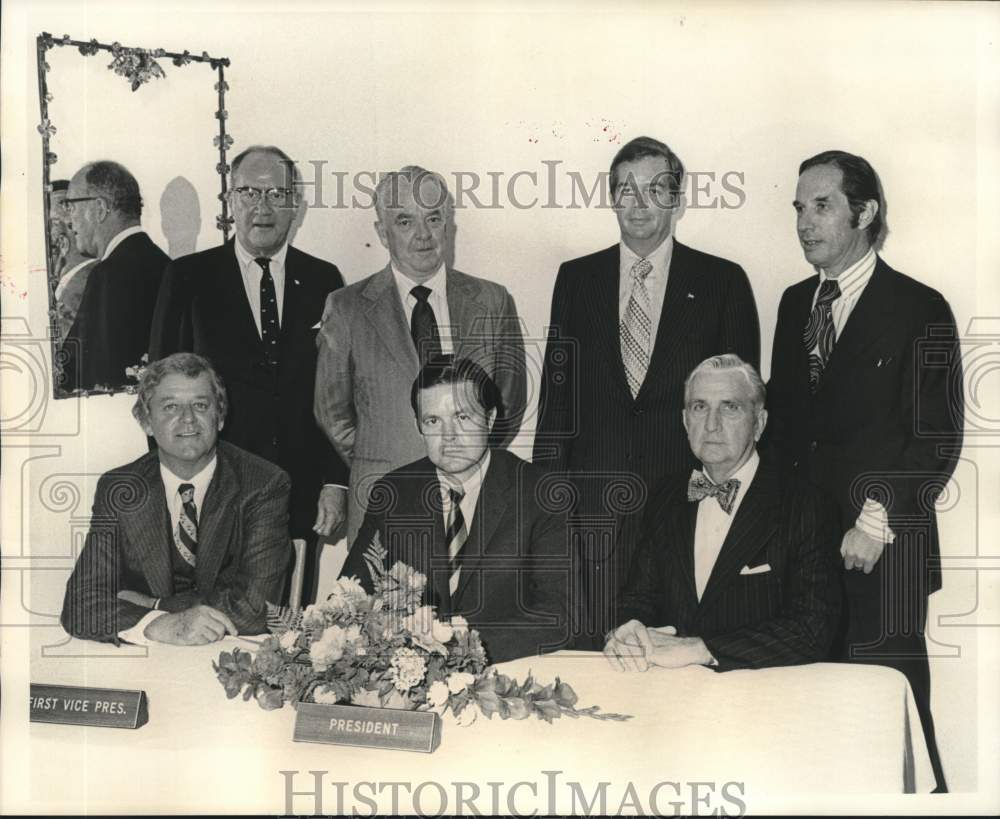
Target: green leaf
x,y
565,695
488,702
547,709
517,708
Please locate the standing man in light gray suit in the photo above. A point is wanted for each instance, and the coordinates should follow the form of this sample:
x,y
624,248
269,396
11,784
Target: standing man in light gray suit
x,y
377,333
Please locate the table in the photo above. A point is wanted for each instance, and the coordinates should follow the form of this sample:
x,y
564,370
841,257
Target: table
x,y
697,738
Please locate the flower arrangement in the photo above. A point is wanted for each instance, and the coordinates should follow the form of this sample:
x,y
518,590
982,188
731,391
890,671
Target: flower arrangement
x,y
386,650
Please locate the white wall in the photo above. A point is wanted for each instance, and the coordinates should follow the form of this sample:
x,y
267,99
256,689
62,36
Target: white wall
x,y
735,87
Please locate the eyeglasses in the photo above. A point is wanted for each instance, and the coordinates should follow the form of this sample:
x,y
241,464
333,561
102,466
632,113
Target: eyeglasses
x,y
67,204
276,197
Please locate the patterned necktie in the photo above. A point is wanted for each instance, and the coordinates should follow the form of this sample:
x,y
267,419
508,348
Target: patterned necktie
x,y
635,328
186,531
820,333
423,325
700,487
270,329
454,536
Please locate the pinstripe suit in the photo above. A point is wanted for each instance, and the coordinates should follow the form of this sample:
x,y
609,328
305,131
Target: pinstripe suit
x,y
243,547
784,616
616,447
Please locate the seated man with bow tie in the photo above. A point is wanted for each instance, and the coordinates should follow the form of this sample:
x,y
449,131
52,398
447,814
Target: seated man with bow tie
x,y
189,542
481,524
736,568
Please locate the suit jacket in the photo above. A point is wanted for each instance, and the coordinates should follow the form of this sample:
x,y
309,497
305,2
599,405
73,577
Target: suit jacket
x,y
243,546
784,616
111,328
886,419
367,364
515,577
589,423
203,308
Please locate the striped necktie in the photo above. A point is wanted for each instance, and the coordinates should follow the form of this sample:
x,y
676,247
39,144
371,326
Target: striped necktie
x,y
454,536
820,333
635,328
186,531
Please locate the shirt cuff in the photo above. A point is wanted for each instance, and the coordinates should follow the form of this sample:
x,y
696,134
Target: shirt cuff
x,y
874,522
136,635
337,485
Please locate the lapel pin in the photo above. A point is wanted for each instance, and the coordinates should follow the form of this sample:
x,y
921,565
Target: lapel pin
x,y
690,295
295,280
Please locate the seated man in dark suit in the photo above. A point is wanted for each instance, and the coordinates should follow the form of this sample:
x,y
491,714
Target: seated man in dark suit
x,y
189,542
735,568
110,330
475,521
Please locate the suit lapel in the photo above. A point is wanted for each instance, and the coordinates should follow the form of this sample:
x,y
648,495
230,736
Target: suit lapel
x,y
601,299
870,319
466,313
676,315
231,300
491,506
215,521
291,303
685,522
385,313
755,520
146,529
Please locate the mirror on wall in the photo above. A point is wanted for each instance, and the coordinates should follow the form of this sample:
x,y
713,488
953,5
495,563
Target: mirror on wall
x,y
134,170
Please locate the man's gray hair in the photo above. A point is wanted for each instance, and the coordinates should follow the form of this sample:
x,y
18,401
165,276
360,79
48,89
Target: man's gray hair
x,y
731,361
387,190
188,364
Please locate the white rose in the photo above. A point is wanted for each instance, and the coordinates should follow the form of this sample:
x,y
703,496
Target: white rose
x,y
437,694
468,715
458,682
288,639
459,625
329,648
324,695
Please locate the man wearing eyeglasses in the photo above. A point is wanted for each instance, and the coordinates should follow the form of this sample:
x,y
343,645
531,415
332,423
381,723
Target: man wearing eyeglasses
x,y
110,330
253,307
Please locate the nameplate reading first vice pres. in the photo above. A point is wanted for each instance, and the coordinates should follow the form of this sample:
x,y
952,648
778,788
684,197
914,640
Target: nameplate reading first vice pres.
x,y
368,727
95,707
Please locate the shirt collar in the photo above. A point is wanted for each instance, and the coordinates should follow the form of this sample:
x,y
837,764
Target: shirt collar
x,y
120,237
404,284
744,474
246,258
69,274
659,258
472,485
200,481
853,280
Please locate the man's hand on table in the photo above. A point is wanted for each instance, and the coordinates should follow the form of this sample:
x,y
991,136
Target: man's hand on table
x,y
634,647
195,626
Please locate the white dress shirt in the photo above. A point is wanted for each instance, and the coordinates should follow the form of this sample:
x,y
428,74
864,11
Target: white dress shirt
x,y
471,489
69,274
873,519
713,523
252,273
118,238
656,281
171,485
438,300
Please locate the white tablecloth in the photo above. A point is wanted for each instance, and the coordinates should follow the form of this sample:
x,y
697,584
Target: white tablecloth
x,y
723,739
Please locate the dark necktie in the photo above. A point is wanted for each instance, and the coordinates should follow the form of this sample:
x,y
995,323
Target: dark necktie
x,y
820,332
423,326
454,537
270,329
186,533
700,487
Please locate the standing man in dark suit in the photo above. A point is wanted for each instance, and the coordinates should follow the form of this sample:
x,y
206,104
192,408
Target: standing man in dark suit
x,y
866,402
628,324
253,307
66,261
188,543
111,328
479,523
736,568
378,332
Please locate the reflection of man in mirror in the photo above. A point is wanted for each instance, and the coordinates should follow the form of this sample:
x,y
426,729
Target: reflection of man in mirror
x,y
253,307
66,261
111,328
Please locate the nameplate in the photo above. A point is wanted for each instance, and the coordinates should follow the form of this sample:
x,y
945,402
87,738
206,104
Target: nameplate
x,y
367,727
97,707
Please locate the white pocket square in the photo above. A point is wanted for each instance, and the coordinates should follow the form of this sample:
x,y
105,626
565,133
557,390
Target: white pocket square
x,y
317,325
763,567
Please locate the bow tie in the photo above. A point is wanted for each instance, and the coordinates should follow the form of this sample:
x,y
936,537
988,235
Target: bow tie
x,y
725,493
